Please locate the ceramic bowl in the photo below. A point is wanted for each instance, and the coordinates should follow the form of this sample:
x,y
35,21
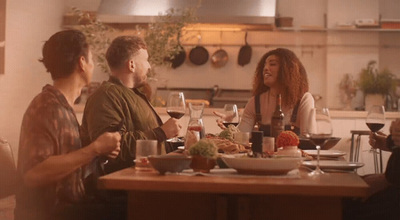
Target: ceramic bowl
x,y
170,163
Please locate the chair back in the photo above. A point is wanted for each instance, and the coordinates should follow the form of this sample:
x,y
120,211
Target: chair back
x,y
8,170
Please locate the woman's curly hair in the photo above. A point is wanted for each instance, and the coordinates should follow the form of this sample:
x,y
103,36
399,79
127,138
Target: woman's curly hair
x,y
292,76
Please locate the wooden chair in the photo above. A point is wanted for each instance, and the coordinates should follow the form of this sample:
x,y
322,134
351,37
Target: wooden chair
x,y
8,170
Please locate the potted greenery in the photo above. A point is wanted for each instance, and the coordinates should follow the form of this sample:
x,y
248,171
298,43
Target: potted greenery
x,y
375,84
204,154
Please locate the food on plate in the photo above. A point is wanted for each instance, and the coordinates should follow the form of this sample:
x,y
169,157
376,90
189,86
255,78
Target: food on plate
x,y
287,138
225,145
229,132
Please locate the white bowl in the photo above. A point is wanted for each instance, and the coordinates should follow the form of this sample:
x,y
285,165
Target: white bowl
x,y
262,166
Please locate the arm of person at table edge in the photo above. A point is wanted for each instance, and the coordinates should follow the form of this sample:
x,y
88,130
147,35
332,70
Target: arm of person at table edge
x,y
386,143
56,167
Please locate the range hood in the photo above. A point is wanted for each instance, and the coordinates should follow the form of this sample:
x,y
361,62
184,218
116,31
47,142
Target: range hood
x,y
209,11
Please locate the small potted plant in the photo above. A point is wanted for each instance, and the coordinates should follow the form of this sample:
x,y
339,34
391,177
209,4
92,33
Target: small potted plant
x,y
204,155
375,84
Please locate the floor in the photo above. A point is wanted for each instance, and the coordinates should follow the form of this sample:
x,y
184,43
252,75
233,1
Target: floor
x,y
7,208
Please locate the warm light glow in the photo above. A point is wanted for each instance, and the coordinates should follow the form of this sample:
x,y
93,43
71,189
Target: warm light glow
x,y
226,27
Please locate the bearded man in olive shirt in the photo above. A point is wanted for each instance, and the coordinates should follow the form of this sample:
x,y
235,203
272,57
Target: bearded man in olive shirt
x,y
118,104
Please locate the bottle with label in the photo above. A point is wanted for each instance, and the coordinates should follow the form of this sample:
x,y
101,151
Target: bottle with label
x,y
277,124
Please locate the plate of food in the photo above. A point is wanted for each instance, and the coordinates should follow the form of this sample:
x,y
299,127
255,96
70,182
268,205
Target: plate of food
x,y
326,153
333,164
261,166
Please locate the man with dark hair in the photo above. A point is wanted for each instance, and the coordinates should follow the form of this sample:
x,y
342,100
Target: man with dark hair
x,y
119,102
51,159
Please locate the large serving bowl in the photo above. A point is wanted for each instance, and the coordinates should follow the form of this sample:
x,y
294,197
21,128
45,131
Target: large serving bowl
x,y
170,163
262,166
306,144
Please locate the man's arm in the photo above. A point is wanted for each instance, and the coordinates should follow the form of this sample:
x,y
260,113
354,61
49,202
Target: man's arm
x,y
55,168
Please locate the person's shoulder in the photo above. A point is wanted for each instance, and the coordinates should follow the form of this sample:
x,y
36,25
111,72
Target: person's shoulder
x,y
307,96
44,104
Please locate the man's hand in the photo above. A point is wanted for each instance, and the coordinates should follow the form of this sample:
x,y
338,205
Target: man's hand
x,y
378,140
108,144
222,118
171,128
395,131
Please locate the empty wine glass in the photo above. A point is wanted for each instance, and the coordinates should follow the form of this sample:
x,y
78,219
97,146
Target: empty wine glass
x,y
176,106
321,134
231,115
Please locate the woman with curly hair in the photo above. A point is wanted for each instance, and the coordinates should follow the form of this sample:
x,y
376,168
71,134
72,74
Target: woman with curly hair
x,y
279,71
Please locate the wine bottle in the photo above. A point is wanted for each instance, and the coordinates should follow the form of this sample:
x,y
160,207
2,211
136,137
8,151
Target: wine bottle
x,y
277,125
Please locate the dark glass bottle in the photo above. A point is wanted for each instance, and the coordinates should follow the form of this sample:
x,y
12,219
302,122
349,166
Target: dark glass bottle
x,y
277,124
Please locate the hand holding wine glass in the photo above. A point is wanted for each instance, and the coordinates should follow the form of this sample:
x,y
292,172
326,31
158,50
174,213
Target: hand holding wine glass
x,y
321,135
176,105
376,118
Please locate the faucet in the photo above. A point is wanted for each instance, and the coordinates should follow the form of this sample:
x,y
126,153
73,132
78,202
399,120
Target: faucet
x,y
214,92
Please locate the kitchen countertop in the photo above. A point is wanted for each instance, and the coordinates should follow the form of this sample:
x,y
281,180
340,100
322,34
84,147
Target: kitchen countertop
x,y
333,113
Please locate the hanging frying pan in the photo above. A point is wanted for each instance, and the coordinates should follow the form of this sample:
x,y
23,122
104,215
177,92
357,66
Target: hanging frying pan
x,y
219,57
199,54
245,51
180,57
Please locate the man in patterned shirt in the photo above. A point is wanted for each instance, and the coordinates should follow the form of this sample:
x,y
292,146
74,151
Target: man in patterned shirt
x,y
51,159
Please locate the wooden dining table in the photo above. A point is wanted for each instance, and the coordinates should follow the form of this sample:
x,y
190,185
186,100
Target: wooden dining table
x,y
234,196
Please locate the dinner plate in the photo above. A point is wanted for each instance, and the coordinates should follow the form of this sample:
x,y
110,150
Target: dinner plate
x,y
261,166
325,153
333,164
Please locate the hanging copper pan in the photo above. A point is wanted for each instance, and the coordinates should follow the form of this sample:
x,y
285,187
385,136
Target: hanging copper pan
x,y
198,55
179,58
219,57
245,52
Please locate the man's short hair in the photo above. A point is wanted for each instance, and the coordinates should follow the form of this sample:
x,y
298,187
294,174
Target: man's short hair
x,y
62,51
122,49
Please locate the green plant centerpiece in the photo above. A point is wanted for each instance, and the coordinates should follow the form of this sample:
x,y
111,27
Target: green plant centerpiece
x,y
204,154
376,84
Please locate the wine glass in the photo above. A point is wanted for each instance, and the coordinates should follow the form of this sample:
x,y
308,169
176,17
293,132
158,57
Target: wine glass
x,y
375,120
176,106
231,115
321,134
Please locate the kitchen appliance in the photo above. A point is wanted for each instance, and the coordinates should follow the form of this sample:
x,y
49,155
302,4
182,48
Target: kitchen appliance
x,y
208,11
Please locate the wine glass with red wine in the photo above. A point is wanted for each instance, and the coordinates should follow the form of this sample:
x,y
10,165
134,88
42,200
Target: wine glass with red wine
x,y
321,134
176,106
376,118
